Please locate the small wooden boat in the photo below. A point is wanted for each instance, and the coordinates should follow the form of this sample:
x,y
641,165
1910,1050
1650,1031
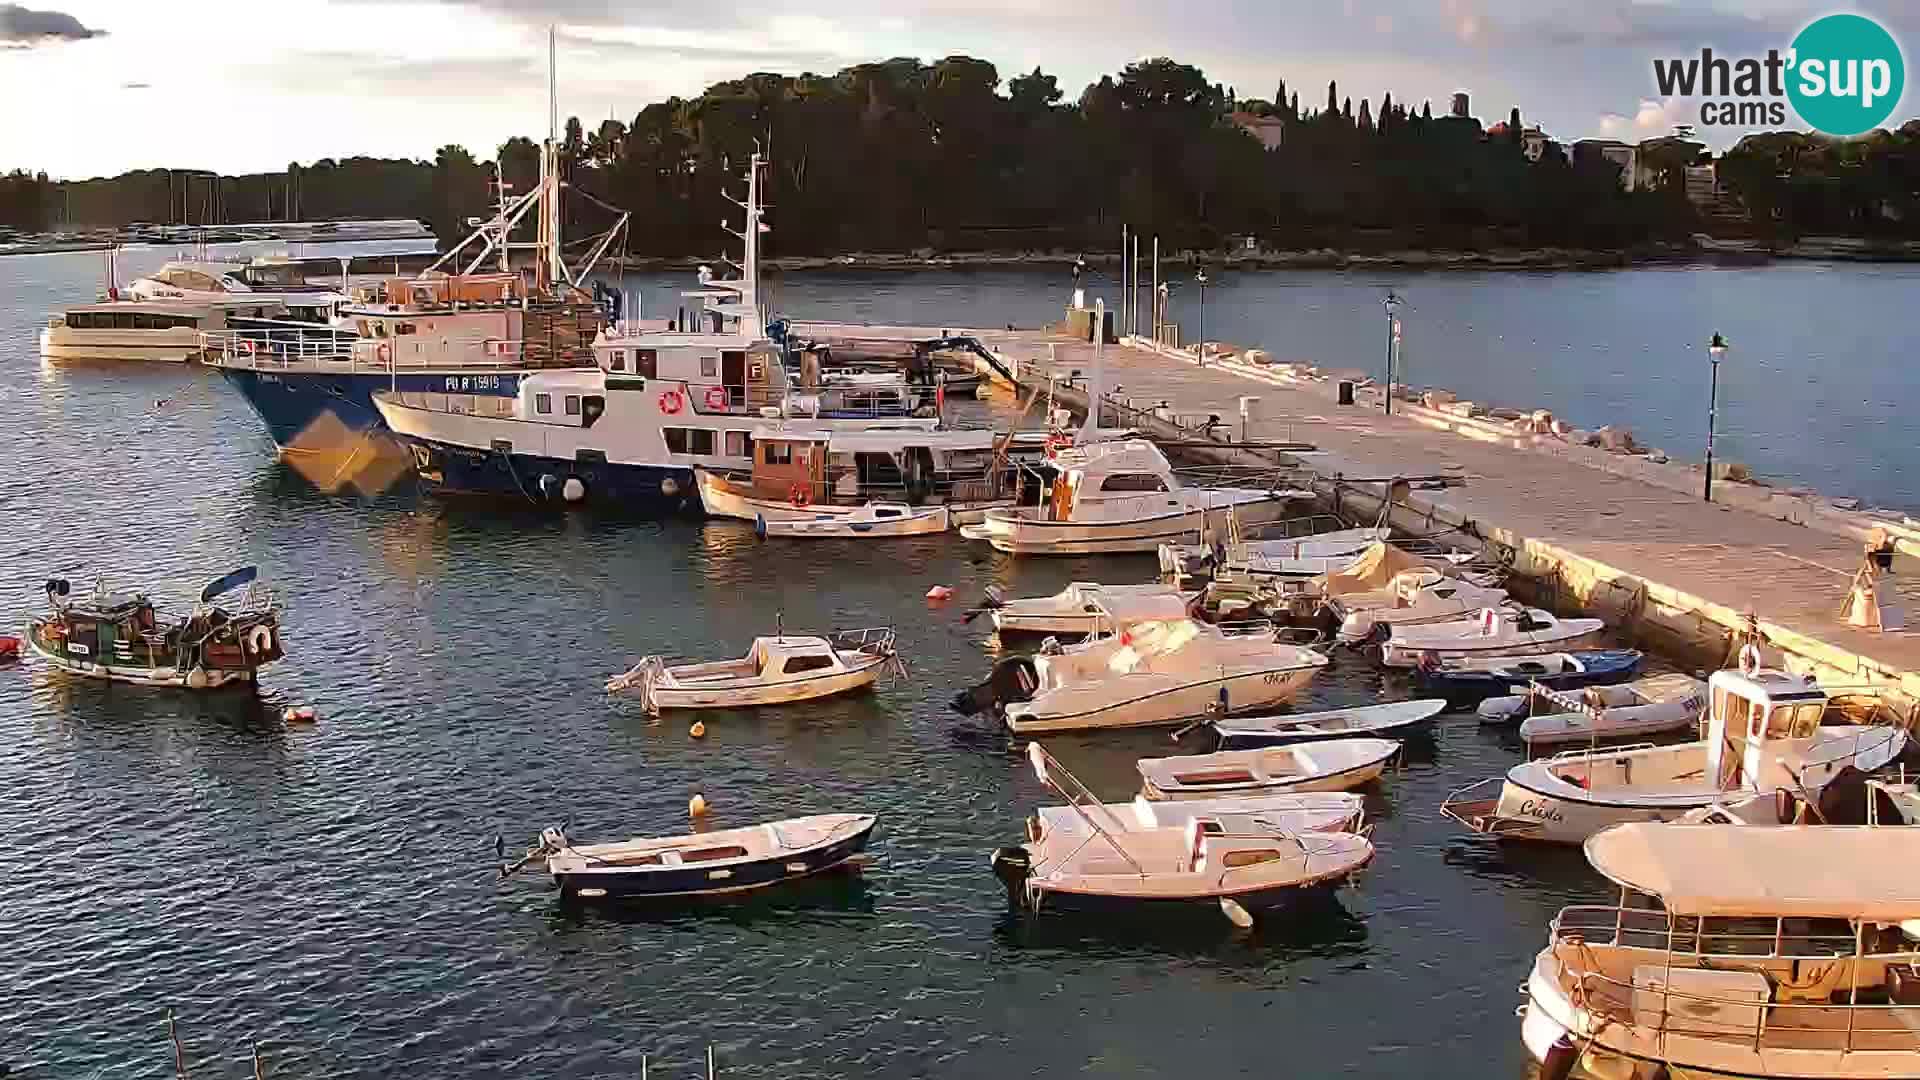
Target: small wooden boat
x,y
1372,721
1467,679
874,521
1650,706
1513,631
1307,811
701,864
120,636
1086,607
1335,765
778,670
1229,862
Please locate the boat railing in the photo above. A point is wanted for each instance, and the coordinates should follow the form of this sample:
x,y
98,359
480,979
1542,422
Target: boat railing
x,y
1883,733
1247,628
1583,752
276,347
875,640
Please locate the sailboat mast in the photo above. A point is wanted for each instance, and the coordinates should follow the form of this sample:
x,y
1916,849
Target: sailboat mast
x,y
556,264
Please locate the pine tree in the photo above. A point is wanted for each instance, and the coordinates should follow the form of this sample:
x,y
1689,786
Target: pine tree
x,y
1386,111
1280,95
1293,105
1426,111
1366,116
1346,110
1513,125
1333,99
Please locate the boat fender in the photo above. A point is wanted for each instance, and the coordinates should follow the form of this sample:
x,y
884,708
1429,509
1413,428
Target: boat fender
x,y
197,679
1489,621
698,730
697,805
669,486
1749,659
573,489
760,526
798,494
384,353
1236,914
260,640
549,485
717,398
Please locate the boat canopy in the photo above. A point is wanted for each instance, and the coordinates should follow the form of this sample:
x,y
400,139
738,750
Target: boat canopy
x,y
1128,609
1805,871
243,576
1375,569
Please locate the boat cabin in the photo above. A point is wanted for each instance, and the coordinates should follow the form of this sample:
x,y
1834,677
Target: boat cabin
x,y
153,315
1747,711
190,281
906,460
1105,474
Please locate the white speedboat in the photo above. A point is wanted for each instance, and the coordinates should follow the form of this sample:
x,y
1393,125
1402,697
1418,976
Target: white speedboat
x,y
1084,608
1122,496
874,521
1764,732
1495,631
1335,765
1650,706
1232,863
778,670
1773,952
1149,674
1370,721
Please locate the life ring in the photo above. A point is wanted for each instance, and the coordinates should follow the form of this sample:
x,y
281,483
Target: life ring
x,y
671,402
383,353
798,494
1749,659
717,398
246,346
260,640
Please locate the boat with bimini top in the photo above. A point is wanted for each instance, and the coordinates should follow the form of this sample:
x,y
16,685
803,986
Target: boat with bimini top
x,y
120,636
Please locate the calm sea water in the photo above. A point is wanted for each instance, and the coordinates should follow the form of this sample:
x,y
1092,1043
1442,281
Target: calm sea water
x,y
329,890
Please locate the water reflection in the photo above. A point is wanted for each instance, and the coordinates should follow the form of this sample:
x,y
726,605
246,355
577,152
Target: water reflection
x,y
1317,925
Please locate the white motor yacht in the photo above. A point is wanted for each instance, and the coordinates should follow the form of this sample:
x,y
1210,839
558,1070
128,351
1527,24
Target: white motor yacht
x,y
1494,631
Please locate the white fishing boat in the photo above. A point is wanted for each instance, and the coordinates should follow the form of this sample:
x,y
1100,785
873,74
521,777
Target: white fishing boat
x,y
1290,558
1764,733
1123,496
1651,706
1495,631
1394,719
1085,608
702,864
874,521
1148,674
1776,952
778,670
1294,812
1233,863
1335,765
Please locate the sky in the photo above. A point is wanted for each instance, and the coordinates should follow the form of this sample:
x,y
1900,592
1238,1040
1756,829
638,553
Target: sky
x,y
95,87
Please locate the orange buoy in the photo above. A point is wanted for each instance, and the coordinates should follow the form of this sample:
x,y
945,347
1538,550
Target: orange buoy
x,y
939,593
698,730
697,806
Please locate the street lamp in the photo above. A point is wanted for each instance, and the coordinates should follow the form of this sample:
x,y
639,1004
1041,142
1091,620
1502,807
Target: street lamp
x,y
1392,306
1200,279
1717,350
1160,312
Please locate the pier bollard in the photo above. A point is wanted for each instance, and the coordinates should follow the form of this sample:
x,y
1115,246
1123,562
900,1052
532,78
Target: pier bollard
x,y
1346,391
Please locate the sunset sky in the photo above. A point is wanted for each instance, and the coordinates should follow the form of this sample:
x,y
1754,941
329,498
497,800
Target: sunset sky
x,y
98,86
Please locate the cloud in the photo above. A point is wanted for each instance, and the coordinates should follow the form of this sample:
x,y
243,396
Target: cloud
x,y
23,28
1652,118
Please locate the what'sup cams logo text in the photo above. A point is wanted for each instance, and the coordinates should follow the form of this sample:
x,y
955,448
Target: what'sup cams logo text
x,y
1843,75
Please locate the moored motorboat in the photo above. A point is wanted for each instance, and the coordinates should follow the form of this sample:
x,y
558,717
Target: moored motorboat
x,y
1392,720
120,636
1650,706
1290,557
1330,765
712,863
778,670
1515,631
1465,680
1086,607
1763,733
1230,863
874,521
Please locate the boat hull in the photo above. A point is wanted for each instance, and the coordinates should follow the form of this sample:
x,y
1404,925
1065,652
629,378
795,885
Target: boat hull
x,y
1344,780
693,882
292,402
141,345
860,677
1043,898
1373,722
1473,687
862,527
1397,654
719,499
1251,691
194,679
1024,535
446,469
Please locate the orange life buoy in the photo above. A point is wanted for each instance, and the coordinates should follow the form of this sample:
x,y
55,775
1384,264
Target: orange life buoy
x,y
671,402
798,494
717,397
246,346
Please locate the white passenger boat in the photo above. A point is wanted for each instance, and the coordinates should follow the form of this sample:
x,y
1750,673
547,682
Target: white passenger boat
x,y
1084,608
874,521
1777,952
1335,765
164,330
1393,719
778,670
1123,496
1763,732
1148,674
1513,631
1233,863
1651,706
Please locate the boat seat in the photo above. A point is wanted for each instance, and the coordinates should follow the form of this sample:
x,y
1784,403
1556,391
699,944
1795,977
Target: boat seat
x,y
1229,774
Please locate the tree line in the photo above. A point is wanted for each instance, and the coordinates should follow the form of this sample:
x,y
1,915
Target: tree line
x,y
902,155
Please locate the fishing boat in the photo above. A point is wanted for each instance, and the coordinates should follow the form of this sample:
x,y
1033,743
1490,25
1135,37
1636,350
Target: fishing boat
x,y
1235,864
1468,679
1495,631
1774,952
120,635
704,864
874,521
778,670
1332,765
1149,674
1764,732
1392,720
1085,608
1651,706
1294,812
1122,496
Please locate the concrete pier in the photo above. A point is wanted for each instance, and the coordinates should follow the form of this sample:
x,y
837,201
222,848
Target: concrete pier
x,y
1606,534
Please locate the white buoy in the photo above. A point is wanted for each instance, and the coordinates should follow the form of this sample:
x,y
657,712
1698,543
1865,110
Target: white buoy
x,y
573,490
669,487
1237,915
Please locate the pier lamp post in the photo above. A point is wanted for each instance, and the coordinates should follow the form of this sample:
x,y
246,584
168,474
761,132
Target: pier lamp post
x,y
1160,313
1200,279
1716,350
1392,306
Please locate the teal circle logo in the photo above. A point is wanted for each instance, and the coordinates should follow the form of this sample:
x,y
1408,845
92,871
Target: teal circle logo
x,y
1847,74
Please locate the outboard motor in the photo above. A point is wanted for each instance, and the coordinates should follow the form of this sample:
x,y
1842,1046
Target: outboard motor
x,y
1014,679
1843,800
1013,865
553,839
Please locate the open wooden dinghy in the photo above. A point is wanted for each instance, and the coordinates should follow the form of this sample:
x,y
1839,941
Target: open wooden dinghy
x,y
1371,721
700,864
1334,765
1233,862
